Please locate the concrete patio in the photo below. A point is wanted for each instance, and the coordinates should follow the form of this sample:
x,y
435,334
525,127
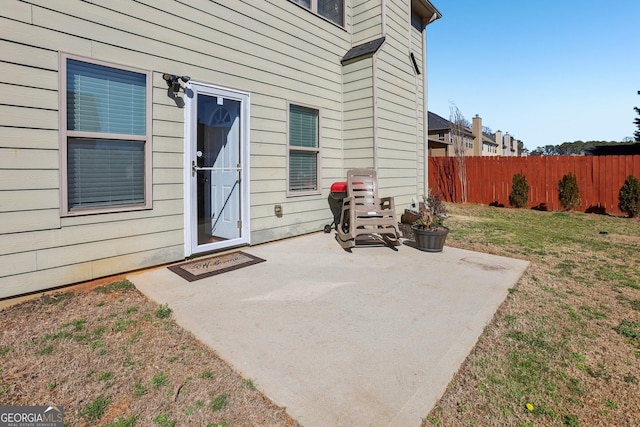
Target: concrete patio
x,y
368,338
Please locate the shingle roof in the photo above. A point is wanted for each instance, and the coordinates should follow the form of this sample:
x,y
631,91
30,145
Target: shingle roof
x,y
437,122
362,50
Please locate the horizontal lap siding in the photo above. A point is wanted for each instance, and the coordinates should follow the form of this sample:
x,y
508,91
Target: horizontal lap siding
x,y
266,48
367,18
599,179
399,109
358,114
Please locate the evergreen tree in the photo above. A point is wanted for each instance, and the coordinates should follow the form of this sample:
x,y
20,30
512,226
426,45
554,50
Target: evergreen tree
x,y
636,134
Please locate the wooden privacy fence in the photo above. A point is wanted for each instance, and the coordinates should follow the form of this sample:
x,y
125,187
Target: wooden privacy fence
x,y
489,179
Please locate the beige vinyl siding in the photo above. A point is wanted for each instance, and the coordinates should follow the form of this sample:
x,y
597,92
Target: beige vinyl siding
x,y
358,114
418,39
367,21
399,111
271,49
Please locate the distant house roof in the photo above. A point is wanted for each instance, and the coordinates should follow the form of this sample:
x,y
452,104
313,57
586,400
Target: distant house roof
x,y
613,150
436,122
362,50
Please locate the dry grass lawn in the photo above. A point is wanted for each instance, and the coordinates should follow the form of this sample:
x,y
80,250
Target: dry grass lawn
x,y
112,357
564,348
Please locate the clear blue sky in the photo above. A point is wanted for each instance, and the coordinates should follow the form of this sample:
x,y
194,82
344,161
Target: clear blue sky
x,y
545,71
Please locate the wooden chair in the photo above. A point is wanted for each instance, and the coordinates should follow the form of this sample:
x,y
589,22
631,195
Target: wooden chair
x,y
366,219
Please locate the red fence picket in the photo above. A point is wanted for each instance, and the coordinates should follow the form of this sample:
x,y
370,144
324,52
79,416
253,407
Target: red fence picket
x,y
489,179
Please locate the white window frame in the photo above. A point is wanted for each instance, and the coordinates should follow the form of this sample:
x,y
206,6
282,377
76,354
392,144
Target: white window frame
x,y
314,8
317,150
65,134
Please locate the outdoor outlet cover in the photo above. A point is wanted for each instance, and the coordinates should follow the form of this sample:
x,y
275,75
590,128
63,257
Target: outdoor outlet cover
x,y
278,210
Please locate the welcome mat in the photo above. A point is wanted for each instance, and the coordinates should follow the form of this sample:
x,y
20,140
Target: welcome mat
x,y
210,266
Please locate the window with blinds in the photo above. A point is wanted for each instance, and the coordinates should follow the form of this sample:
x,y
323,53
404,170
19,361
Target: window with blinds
x,y
304,149
107,146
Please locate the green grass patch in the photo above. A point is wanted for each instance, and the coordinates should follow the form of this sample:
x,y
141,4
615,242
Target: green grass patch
x,y
206,375
124,422
219,402
47,349
122,287
77,324
159,380
56,298
591,313
139,390
95,409
163,311
122,324
629,329
163,420
105,376
134,337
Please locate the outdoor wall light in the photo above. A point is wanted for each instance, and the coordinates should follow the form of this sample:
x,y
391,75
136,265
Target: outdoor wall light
x,y
174,81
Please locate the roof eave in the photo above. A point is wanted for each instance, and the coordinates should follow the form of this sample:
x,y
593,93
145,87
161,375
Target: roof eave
x,y
426,11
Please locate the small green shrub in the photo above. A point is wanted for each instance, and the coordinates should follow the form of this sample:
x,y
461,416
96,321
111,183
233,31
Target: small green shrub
x,y
519,196
629,197
568,192
163,311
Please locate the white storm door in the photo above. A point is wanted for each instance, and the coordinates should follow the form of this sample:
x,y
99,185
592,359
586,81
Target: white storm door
x,y
218,172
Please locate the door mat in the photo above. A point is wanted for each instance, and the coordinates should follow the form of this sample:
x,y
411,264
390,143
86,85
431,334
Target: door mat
x,y
212,265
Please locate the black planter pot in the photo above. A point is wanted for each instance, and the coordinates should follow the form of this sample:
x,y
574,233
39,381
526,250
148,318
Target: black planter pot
x,y
430,240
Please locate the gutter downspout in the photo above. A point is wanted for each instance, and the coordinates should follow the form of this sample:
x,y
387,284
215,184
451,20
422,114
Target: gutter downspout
x,y
374,90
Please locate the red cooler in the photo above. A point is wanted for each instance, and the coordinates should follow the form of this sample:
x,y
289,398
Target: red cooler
x,y
336,196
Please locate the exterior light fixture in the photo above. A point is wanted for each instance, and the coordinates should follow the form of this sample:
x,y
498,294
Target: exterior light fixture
x,y
174,81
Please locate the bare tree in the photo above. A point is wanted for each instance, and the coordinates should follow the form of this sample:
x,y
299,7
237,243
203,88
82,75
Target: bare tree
x,y
458,125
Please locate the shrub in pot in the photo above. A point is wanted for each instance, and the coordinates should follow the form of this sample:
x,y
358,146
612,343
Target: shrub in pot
x,y
429,230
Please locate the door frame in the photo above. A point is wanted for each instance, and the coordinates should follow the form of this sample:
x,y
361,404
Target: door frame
x,y
192,89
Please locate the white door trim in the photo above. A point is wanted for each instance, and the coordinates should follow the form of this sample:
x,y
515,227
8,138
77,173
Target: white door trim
x,y
192,89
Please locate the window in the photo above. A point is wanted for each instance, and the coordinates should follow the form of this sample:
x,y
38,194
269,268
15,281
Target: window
x,y
333,10
105,130
304,149
441,136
